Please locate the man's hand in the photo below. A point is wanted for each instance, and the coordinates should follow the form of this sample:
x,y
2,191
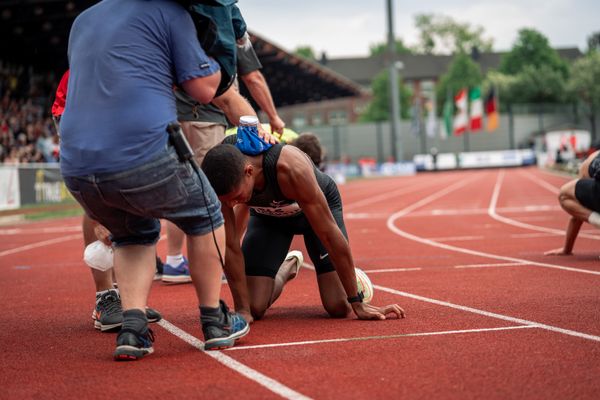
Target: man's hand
x,y
368,311
246,314
277,125
266,136
558,252
102,234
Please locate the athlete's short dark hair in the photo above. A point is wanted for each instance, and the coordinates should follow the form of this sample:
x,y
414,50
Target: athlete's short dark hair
x,y
223,165
309,143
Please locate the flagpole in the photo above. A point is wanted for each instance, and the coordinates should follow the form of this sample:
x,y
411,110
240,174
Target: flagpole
x,y
393,73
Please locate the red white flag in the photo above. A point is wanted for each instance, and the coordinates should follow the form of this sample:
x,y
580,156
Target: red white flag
x,y
476,109
461,118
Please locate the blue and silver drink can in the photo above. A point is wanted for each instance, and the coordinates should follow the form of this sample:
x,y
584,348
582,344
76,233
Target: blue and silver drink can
x,y
248,140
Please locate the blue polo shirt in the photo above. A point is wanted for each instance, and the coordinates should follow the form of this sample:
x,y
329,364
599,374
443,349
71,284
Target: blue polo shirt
x,y
125,56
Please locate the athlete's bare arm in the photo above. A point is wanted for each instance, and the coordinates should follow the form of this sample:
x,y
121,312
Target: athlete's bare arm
x,y
297,181
234,264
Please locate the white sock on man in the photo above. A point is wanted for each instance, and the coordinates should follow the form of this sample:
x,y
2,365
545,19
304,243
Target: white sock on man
x,y
594,219
174,261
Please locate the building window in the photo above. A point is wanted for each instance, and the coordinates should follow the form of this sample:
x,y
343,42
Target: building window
x,y
317,119
299,121
338,117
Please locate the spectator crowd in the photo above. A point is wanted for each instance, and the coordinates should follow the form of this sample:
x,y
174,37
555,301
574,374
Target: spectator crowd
x,y
27,133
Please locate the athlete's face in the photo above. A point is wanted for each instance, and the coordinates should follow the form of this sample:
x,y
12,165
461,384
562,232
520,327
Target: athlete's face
x,y
241,194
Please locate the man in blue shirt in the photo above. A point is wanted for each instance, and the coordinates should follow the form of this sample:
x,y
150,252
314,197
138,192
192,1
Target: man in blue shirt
x,y
125,57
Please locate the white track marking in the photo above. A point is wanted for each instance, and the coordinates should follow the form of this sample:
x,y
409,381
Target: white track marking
x,y
39,244
456,238
492,213
263,380
441,193
551,188
365,215
49,242
21,231
531,235
383,337
488,265
491,314
387,195
377,271
482,211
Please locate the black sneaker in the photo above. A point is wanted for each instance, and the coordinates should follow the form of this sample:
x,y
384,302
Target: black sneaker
x,y
153,315
108,314
132,345
222,329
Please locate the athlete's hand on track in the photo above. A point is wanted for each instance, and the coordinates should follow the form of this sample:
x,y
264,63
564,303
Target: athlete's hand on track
x,y
368,311
558,252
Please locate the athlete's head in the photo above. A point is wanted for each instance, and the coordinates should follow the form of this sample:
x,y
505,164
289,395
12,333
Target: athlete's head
x,y
309,143
229,173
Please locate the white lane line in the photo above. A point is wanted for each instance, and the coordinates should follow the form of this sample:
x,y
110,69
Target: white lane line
x,y
492,213
540,182
491,314
365,215
477,211
39,244
263,380
488,265
456,238
19,231
387,195
383,337
392,219
377,271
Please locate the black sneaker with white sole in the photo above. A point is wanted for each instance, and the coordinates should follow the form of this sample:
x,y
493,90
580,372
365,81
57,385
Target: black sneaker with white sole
x,y
108,314
221,328
133,345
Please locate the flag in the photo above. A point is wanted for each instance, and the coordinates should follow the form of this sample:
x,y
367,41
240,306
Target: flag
x,y
448,112
430,124
491,109
476,109
461,118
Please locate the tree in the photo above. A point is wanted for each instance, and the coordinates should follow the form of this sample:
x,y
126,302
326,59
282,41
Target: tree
x,y
439,34
594,42
583,84
379,108
305,51
381,48
532,48
462,73
539,84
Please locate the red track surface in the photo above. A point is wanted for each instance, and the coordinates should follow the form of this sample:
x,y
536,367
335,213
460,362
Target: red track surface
x,y
488,315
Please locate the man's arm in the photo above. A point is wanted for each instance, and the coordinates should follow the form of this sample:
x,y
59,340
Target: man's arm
x,y
234,265
570,237
204,88
259,90
297,181
234,105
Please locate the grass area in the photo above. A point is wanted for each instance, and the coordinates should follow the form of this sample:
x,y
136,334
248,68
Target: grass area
x,y
70,212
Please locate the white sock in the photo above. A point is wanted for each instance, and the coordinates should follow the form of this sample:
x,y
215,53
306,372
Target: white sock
x,y
594,219
174,261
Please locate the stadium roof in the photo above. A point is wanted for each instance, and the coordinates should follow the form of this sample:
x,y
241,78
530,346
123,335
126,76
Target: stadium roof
x,y
35,33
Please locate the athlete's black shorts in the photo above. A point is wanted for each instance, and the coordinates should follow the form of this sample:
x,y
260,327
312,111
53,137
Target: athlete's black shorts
x,y
267,242
587,192
594,168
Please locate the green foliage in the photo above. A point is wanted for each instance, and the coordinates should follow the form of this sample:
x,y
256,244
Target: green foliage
x,y
541,84
584,81
532,49
305,51
439,34
379,108
381,48
594,42
462,73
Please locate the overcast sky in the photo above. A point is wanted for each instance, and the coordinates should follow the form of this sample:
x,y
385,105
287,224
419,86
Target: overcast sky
x,y
348,27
